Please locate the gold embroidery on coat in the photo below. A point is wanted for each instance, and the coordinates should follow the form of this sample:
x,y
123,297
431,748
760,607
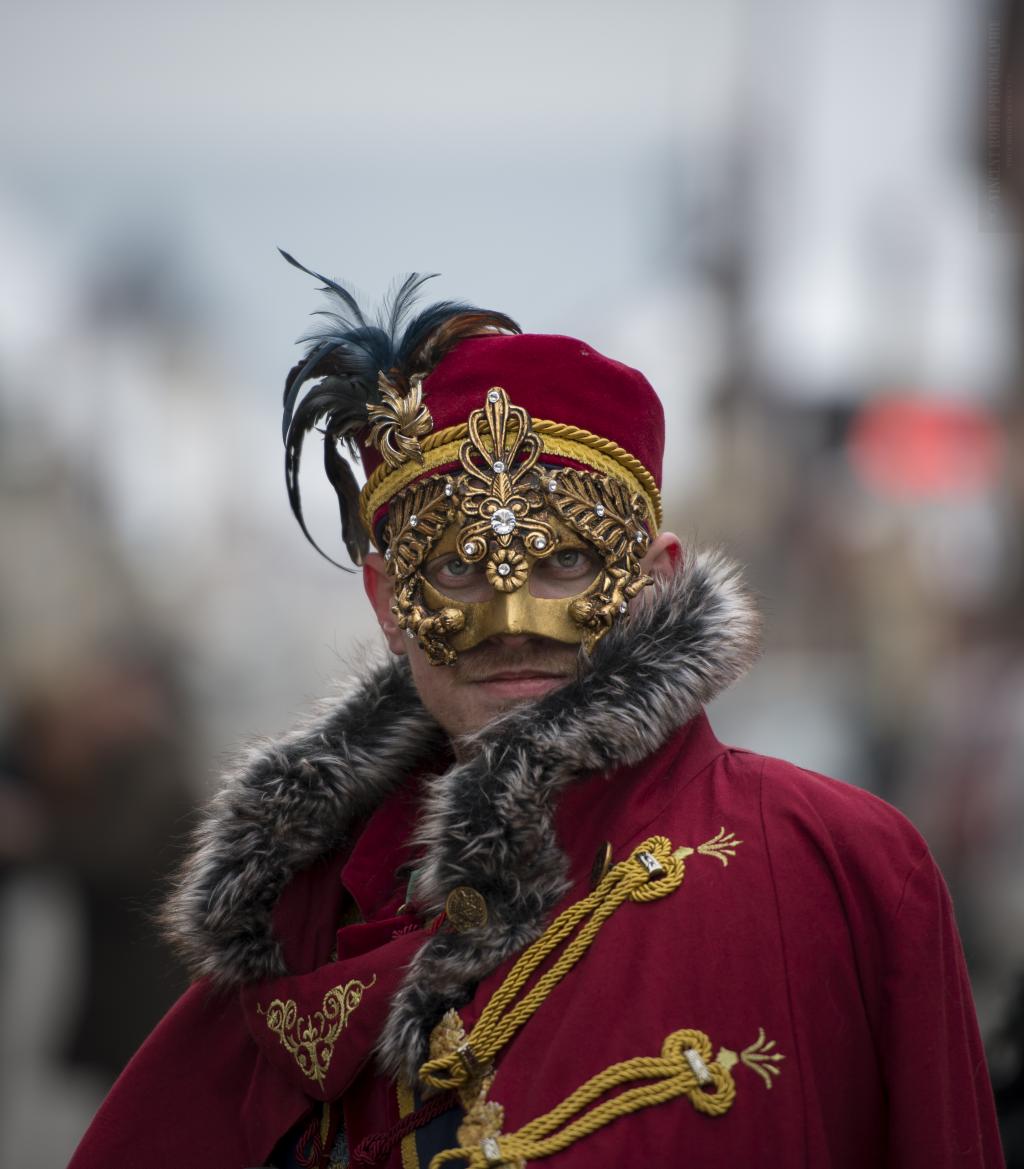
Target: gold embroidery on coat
x,y
483,1118
311,1038
759,1057
721,846
406,1106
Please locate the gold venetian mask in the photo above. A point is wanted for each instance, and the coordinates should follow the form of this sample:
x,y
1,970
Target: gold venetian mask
x,y
508,545
537,604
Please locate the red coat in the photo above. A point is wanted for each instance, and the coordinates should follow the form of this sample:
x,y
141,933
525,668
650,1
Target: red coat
x,y
817,920
811,939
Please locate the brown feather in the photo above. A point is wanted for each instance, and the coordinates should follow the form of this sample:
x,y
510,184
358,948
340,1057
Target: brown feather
x,y
457,328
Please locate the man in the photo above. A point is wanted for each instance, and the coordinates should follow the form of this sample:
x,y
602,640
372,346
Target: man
x,y
511,901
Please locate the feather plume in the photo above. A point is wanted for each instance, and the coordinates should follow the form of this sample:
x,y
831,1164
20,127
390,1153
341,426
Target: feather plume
x,y
345,354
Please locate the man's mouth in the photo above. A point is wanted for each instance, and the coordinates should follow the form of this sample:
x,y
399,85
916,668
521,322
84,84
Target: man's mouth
x,y
522,683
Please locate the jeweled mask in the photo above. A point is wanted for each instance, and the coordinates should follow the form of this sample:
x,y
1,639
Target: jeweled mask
x,y
506,543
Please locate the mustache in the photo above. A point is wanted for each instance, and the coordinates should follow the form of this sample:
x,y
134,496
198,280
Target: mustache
x,y
549,657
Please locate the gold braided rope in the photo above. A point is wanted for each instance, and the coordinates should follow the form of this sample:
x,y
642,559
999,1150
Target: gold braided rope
x,y
559,438
649,874
665,1077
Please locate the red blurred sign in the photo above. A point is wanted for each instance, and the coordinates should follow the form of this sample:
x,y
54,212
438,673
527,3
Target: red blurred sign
x,y
920,447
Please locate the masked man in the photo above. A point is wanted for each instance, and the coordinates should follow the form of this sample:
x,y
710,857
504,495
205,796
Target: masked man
x,y
511,902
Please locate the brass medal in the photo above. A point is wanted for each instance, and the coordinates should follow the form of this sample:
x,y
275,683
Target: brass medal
x,y
466,908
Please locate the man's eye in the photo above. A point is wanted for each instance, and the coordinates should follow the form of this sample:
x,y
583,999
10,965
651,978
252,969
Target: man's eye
x,y
570,563
453,573
566,572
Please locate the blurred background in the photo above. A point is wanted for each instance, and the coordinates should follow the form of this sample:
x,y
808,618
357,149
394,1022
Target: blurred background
x,y
801,218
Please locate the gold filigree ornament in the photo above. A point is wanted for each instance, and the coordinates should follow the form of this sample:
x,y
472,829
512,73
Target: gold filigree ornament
x,y
605,513
416,519
399,422
501,500
311,1038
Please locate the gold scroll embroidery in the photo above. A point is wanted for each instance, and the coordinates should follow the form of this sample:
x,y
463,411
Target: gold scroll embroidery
x,y
311,1038
721,846
759,1057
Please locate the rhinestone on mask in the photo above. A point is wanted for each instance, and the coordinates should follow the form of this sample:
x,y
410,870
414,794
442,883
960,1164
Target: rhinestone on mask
x,y
413,521
493,395
623,606
448,489
552,485
504,569
470,548
540,542
503,521
599,510
498,466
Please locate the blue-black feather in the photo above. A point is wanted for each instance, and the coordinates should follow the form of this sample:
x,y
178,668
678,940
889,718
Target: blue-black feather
x,y
347,352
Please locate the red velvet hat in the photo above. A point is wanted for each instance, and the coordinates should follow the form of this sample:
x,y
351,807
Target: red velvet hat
x,y
551,377
599,409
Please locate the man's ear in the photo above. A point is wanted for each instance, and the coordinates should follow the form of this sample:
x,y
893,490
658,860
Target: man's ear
x,y
380,591
665,555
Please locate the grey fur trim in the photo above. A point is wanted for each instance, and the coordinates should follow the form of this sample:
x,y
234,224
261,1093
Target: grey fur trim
x,y
284,808
487,821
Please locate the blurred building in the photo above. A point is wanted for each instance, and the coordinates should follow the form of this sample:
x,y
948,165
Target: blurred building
x,y
795,217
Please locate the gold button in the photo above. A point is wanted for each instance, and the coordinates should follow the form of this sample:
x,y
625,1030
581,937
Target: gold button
x,y
466,908
602,863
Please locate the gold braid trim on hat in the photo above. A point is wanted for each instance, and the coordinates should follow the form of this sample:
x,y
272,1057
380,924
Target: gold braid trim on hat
x,y
559,438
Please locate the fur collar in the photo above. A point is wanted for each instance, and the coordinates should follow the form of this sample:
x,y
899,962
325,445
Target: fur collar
x,y
487,820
